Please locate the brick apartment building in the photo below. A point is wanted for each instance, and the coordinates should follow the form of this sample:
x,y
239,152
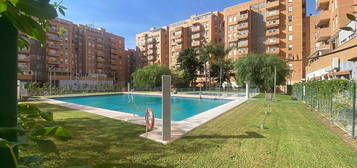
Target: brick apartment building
x,y
332,52
75,53
153,45
258,26
194,32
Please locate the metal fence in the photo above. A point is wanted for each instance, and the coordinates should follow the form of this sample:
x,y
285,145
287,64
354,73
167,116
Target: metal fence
x,y
337,106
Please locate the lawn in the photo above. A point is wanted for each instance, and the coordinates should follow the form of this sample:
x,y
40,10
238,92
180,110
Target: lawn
x,y
293,137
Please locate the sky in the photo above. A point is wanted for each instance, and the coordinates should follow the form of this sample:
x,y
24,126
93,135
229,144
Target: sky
x,y
126,18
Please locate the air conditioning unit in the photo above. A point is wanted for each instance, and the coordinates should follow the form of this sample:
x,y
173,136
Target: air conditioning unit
x,y
335,63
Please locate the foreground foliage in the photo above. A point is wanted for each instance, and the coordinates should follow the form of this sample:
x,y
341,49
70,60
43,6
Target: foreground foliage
x,y
292,137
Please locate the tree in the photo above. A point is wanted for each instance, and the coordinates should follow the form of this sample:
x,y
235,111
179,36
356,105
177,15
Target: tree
x,y
259,69
204,55
17,15
189,64
219,52
222,69
149,77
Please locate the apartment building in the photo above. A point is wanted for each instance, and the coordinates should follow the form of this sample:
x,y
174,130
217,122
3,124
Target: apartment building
x,y
194,32
268,26
331,54
74,52
154,46
134,57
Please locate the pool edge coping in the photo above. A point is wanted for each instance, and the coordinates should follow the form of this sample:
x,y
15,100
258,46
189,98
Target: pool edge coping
x,y
178,128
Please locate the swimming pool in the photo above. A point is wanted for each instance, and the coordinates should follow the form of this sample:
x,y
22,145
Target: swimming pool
x,y
181,108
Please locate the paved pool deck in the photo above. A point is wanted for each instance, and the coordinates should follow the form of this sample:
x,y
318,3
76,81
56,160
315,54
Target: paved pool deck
x,y
178,128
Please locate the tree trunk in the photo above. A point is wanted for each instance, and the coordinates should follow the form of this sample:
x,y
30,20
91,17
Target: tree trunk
x,y
8,84
220,77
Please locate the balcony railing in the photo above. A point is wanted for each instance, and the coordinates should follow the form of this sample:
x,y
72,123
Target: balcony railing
x,y
273,13
196,36
196,43
323,34
272,41
272,23
323,19
272,4
196,28
272,32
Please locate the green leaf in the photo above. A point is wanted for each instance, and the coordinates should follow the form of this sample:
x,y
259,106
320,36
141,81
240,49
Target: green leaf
x,y
31,159
4,130
39,8
48,116
5,143
62,133
25,24
23,43
61,10
47,146
347,28
3,7
351,17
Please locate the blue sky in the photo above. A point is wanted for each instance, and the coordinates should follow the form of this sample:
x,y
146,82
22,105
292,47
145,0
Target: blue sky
x,y
129,17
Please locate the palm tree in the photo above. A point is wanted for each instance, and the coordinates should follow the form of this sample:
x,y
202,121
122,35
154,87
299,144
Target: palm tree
x,y
218,54
204,54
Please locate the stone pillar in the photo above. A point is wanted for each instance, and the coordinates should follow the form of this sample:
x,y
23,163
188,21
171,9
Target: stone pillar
x,y
166,107
247,89
128,87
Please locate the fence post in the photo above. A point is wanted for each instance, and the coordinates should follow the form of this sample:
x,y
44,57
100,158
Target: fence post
x,y
330,99
353,109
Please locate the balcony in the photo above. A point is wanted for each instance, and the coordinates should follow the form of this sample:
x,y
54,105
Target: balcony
x,y
243,44
272,32
273,51
150,40
100,60
151,46
273,14
100,54
242,36
272,23
322,4
99,66
243,17
23,58
99,47
196,28
243,26
272,4
150,52
53,61
178,40
54,54
54,46
274,41
196,43
323,19
196,36
323,34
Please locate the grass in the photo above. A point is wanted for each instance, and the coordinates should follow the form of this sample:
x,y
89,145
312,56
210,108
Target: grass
x,y
293,137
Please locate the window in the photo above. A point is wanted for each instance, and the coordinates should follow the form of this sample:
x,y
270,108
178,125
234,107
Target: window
x,y
290,57
290,1
290,28
290,37
290,9
290,18
290,47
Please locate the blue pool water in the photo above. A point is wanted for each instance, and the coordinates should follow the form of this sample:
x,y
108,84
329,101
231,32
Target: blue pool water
x,y
181,108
